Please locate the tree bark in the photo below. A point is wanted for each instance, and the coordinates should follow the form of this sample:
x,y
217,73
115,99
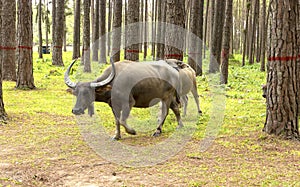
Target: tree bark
x,y
282,80
86,36
195,49
25,78
116,36
76,32
175,15
206,28
246,32
3,114
263,35
110,10
146,30
159,45
226,43
40,29
59,34
216,44
9,40
96,30
252,34
102,31
53,22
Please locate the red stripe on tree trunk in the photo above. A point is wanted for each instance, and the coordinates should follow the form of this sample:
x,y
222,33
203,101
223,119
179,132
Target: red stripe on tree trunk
x,y
283,58
7,48
132,51
24,47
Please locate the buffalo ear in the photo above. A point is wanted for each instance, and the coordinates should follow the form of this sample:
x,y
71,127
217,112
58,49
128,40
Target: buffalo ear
x,y
70,90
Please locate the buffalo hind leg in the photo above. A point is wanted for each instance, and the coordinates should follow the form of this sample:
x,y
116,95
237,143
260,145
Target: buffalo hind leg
x,y
164,112
196,97
117,135
125,114
175,108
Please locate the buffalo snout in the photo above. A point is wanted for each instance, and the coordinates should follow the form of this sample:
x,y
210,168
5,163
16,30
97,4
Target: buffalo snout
x,y
77,111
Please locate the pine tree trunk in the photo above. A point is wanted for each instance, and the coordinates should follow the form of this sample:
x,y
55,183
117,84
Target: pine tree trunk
x,y
110,10
196,21
59,34
246,32
47,26
282,81
252,34
65,35
159,51
116,36
175,15
40,29
102,31
25,39
216,43
206,28
226,42
76,32
9,40
86,36
3,115
53,22
153,44
96,32
132,50
146,30
263,36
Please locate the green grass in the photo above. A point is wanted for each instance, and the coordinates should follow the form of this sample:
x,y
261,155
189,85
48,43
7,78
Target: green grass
x,y
41,143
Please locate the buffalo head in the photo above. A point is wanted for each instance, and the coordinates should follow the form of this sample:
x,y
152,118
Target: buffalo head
x,y
85,91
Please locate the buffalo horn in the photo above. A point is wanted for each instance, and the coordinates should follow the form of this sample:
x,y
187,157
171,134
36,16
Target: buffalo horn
x,y
68,81
107,80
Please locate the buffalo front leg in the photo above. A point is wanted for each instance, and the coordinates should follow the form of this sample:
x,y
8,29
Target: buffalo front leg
x,y
196,97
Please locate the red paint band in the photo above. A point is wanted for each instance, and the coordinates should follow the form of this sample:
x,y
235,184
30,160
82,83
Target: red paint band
x,y
132,51
285,58
174,55
59,47
24,47
7,48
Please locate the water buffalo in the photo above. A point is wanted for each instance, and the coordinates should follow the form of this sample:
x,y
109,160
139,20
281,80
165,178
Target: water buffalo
x,y
188,82
128,84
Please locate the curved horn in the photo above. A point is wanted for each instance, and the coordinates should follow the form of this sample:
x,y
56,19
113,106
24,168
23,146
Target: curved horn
x,y
68,81
108,79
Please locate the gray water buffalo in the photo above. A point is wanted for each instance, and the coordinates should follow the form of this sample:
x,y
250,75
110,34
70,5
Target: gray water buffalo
x,y
128,84
187,77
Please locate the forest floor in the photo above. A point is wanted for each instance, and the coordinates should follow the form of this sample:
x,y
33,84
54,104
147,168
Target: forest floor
x,y
42,143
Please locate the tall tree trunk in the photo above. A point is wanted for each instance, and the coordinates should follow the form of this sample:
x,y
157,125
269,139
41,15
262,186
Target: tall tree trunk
x,y
159,54
110,10
47,26
65,35
96,28
248,5
59,34
132,52
53,22
153,29
263,36
252,34
282,88
257,51
3,114
141,28
76,32
102,31
9,40
206,28
116,36
226,43
175,15
216,44
196,22
40,29
25,39
146,30
86,36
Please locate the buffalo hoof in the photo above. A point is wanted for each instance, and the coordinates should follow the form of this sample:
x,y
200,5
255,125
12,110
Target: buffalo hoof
x,y
131,131
156,133
116,138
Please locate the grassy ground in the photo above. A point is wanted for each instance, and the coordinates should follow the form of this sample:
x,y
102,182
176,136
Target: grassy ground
x,y
42,145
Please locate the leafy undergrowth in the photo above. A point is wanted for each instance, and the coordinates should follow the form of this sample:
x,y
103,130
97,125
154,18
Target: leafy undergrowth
x,y
42,144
